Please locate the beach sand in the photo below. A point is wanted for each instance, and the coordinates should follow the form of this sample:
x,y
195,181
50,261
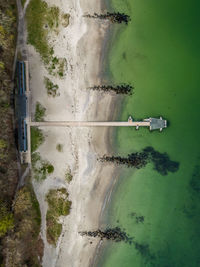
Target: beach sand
x,y
81,44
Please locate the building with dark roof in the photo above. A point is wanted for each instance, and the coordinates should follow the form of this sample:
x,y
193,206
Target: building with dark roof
x,y
21,106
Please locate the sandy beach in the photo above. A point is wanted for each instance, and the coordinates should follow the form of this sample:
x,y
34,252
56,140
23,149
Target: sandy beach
x,y
81,44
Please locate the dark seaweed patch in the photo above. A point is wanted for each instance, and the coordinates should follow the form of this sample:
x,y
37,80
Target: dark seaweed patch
x,y
114,234
138,160
161,161
138,218
144,251
195,180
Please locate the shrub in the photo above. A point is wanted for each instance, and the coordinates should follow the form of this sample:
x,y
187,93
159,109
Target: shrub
x,y
59,147
6,219
39,112
68,176
58,205
41,167
37,138
51,87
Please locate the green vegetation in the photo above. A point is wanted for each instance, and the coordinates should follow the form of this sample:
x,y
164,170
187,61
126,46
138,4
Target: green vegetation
x,y
59,147
52,89
65,19
39,112
3,147
27,223
62,67
37,138
6,219
25,199
42,19
57,66
68,176
8,161
2,66
3,144
58,205
23,2
41,167
20,244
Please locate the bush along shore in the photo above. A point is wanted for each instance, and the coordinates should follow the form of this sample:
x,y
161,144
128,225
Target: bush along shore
x,y
113,17
123,89
138,160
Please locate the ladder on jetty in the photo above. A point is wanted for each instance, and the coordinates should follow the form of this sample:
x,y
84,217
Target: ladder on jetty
x,y
152,123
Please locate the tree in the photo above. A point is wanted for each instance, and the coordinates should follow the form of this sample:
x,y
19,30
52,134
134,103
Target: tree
x,y
6,220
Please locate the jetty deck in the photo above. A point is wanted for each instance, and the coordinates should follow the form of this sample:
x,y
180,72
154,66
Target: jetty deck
x,y
152,123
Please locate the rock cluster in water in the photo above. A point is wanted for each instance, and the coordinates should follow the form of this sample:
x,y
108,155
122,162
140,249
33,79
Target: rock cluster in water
x,y
138,218
113,17
137,160
161,161
113,234
117,235
124,89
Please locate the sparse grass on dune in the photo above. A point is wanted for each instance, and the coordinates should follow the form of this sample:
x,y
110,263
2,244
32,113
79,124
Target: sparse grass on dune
x,y
59,147
42,168
68,176
58,205
52,89
40,19
27,223
37,138
39,112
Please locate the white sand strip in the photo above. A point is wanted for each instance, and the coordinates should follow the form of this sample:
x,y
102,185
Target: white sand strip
x,y
80,43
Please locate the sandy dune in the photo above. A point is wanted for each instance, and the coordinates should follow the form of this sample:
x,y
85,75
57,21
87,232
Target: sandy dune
x,y
81,44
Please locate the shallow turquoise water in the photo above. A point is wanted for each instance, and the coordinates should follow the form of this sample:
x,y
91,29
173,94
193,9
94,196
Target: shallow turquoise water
x,y
159,53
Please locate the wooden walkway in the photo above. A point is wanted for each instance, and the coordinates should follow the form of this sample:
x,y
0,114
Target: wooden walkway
x,y
152,123
90,124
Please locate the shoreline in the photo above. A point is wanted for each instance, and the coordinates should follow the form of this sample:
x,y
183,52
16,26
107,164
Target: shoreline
x,y
82,147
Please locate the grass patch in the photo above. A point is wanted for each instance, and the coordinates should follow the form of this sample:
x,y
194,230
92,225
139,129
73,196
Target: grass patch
x,y
68,176
41,20
6,219
39,112
25,201
65,19
58,205
42,168
3,148
52,89
59,147
27,223
57,66
37,138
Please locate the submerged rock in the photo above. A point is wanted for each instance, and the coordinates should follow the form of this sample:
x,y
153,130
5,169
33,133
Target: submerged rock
x,y
113,234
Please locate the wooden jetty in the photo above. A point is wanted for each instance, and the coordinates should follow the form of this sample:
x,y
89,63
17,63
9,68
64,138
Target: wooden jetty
x,y
152,123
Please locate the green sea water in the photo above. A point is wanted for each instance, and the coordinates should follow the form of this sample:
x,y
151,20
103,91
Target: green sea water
x,y
158,52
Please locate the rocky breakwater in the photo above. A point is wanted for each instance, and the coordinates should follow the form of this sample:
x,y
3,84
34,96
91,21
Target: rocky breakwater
x,y
113,234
